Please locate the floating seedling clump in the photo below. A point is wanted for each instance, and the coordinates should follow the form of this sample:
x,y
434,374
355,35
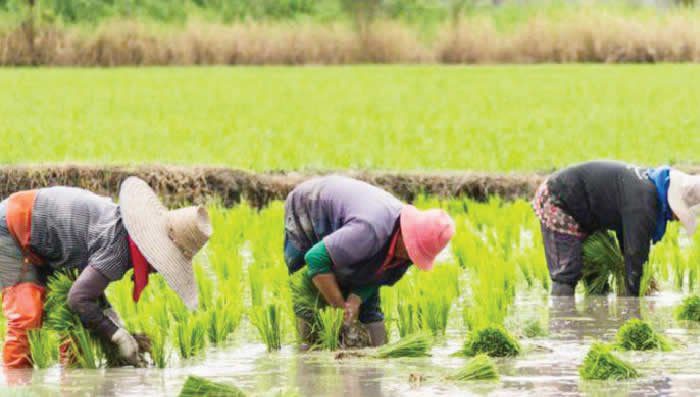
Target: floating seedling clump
x,y
638,335
689,309
534,329
416,345
601,364
481,367
603,264
196,386
493,341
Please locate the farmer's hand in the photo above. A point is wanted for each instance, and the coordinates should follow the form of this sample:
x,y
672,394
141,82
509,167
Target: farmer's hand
x,y
352,308
128,347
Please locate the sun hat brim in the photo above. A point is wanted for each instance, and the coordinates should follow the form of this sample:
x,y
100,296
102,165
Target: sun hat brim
x,y
409,230
145,219
679,207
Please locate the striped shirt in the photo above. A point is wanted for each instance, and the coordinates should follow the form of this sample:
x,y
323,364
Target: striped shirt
x,y
73,228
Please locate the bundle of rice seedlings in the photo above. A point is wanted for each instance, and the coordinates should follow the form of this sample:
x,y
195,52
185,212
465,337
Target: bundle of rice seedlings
x,y
223,318
306,298
689,309
534,329
42,347
196,386
603,263
601,364
330,321
638,335
481,367
416,345
191,336
84,349
408,318
267,320
494,341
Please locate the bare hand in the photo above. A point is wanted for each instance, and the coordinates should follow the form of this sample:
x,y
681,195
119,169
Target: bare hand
x,y
352,308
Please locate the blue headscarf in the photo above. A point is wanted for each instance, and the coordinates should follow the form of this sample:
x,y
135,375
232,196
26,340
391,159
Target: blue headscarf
x,y
661,177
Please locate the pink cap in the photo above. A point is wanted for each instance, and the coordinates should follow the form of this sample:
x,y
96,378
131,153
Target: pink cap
x,y
425,234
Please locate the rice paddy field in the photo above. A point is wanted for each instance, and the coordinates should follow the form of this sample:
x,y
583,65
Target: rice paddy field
x,y
491,281
481,323
491,118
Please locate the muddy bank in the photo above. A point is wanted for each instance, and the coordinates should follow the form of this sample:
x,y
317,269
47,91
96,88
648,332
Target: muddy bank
x,y
201,185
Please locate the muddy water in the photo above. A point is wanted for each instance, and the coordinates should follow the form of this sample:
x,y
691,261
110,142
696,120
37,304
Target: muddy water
x,y
549,366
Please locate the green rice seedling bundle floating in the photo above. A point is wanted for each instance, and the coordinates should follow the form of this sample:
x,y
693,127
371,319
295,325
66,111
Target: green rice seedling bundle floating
x,y
638,335
416,345
689,309
494,341
601,364
481,367
196,386
534,329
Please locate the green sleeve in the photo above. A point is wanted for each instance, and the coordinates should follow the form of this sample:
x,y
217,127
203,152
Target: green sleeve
x,y
318,260
365,292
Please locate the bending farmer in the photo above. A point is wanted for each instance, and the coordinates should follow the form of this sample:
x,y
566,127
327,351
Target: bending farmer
x,y
355,237
45,230
636,203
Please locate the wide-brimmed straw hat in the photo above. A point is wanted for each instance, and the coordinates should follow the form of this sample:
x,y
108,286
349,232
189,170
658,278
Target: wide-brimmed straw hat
x,y
425,234
683,195
167,239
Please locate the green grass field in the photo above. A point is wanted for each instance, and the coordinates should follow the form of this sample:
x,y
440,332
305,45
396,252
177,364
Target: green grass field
x,y
413,118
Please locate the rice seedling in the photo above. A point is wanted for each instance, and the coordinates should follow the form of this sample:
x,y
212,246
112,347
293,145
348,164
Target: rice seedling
x,y
638,335
481,367
191,336
603,264
408,319
42,347
196,386
689,309
85,350
416,345
267,320
601,364
160,348
222,320
533,329
494,341
330,322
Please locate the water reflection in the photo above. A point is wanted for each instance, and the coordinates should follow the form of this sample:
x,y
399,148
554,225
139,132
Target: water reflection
x,y
548,368
348,378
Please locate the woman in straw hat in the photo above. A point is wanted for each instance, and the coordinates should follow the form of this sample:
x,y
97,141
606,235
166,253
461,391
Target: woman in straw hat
x,y
354,238
636,203
62,227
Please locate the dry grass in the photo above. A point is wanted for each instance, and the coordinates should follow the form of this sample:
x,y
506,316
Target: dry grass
x,y
131,43
586,36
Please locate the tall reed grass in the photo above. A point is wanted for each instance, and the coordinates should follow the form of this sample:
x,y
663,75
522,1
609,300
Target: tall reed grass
x,y
572,35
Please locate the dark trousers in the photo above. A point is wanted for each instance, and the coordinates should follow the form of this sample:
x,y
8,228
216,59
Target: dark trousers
x,y
370,310
564,254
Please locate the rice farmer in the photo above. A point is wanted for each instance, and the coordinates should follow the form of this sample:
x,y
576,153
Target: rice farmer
x,y
635,203
354,238
54,228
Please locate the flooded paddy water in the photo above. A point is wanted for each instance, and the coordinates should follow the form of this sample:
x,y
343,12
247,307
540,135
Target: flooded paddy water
x,y
549,365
